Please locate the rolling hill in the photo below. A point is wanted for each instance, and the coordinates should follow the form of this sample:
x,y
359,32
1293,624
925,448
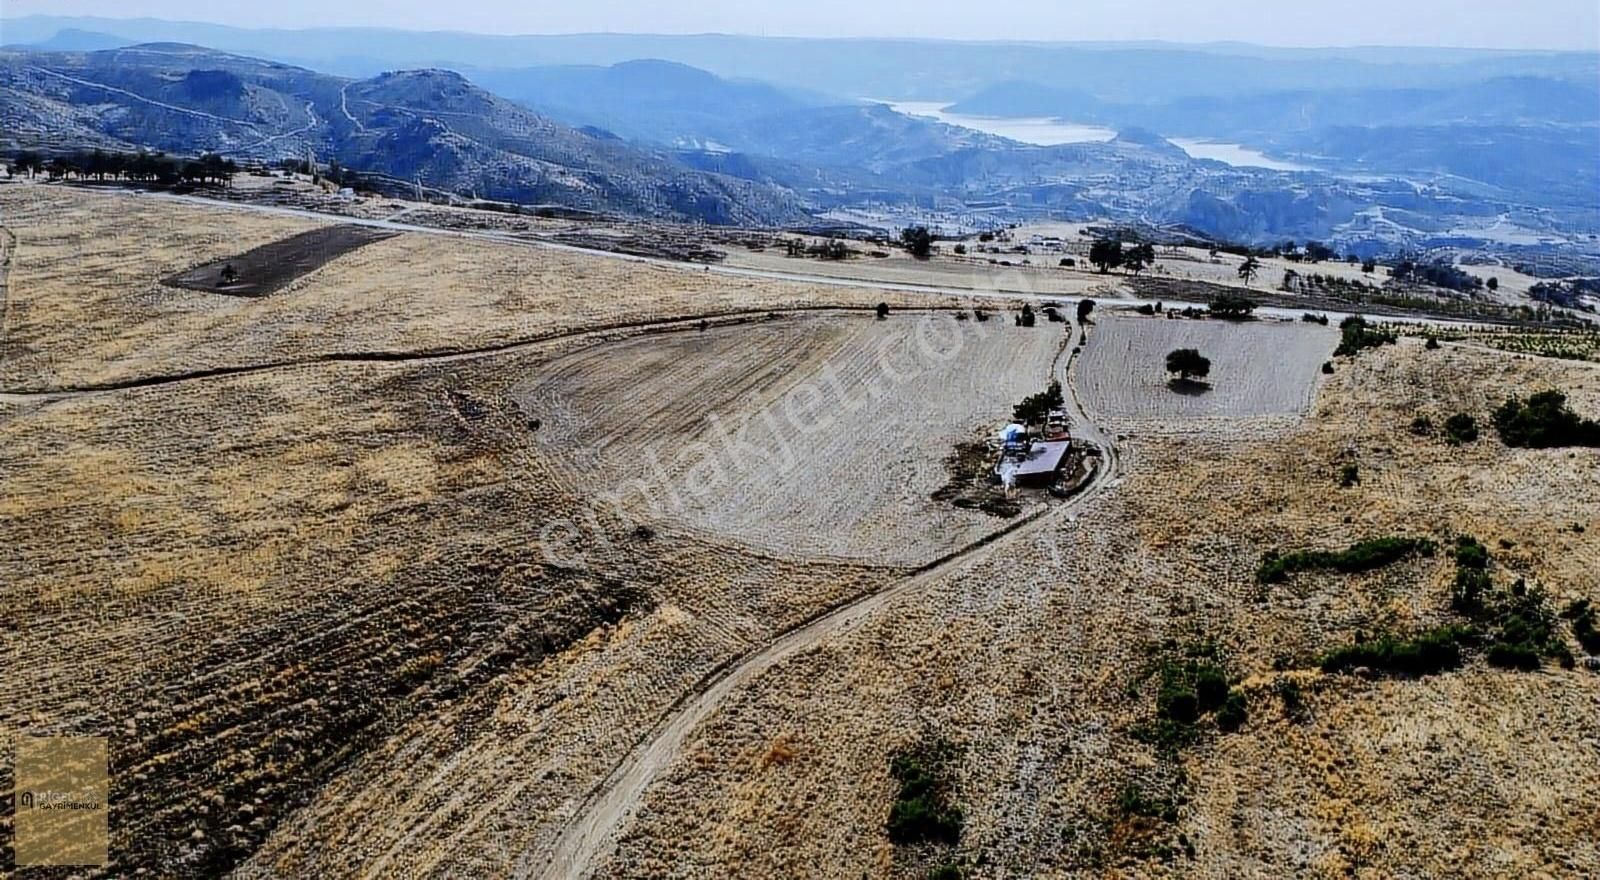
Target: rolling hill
x,y
428,125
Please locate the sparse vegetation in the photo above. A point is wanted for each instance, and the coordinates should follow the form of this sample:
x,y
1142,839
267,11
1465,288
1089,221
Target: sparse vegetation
x,y
1460,428
1544,421
923,810
1355,334
1231,307
1364,556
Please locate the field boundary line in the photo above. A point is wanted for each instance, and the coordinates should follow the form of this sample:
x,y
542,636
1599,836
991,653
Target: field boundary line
x,y
643,327
610,804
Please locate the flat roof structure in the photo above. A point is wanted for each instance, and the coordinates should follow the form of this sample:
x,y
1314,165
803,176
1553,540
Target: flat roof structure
x,y
1043,460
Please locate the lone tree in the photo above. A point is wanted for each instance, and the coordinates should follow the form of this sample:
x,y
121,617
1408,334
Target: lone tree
x,y
1248,269
1085,306
1106,255
917,240
883,311
1188,363
1139,257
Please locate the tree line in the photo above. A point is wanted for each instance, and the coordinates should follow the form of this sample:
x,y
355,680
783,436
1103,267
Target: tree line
x,y
141,166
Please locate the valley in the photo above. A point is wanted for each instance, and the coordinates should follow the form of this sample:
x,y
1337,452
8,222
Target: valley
x,y
558,456
457,507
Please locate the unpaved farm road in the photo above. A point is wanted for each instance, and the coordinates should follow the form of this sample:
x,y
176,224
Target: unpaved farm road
x,y
607,810
986,285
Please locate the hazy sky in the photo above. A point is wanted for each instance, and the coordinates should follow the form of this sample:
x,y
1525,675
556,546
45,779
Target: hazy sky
x,y
1519,24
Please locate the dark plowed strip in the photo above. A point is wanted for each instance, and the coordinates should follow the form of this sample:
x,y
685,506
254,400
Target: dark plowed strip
x,y
272,267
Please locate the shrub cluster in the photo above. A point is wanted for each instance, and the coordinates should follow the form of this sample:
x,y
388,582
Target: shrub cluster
x,y
1544,421
1356,334
1363,556
1427,653
922,810
1582,616
1190,688
1518,625
1460,428
1232,307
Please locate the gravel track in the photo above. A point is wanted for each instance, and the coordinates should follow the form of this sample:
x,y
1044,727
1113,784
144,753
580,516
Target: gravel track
x,y
601,818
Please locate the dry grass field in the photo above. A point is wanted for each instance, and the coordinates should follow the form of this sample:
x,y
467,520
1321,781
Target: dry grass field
x,y
1259,370
87,306
342,615
1029,662
821,436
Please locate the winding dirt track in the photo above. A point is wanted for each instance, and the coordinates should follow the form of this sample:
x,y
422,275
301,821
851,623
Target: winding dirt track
x,y
608,808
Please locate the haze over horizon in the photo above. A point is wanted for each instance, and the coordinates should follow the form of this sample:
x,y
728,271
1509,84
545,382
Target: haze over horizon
x,y
1547,25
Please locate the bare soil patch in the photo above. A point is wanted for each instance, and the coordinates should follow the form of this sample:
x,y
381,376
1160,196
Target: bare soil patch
x,y
822,436
1259,369
270,268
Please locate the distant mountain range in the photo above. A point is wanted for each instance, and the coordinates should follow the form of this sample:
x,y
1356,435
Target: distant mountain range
x,y
1493,163
672,104
902,69
1512,100
427,125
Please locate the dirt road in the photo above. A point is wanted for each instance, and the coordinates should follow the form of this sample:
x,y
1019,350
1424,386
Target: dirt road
x,y
608,809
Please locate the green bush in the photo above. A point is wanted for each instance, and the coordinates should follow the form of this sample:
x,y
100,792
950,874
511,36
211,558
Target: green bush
x,y
1520,655
1234,711
1356,334
1470,553
1178,702
1363,556
1460,428
1543,422
1468,592
922,810
1582,616
1349,476
1427,653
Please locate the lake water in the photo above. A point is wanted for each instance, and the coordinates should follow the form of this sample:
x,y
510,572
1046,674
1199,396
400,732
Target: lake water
x,y
1234,154
1041,131
1050,132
